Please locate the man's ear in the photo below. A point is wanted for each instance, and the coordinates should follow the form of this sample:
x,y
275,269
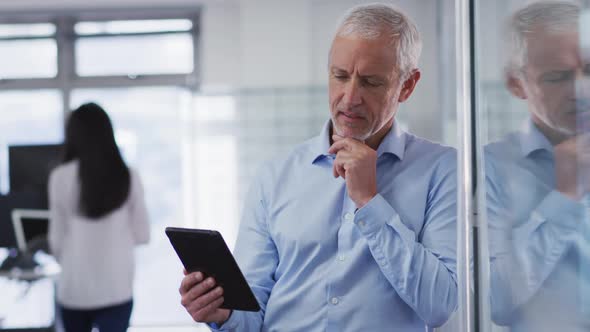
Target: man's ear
x,y
514,85
409,85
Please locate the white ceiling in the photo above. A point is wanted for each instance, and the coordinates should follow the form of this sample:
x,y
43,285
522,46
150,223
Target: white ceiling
x,y
53,5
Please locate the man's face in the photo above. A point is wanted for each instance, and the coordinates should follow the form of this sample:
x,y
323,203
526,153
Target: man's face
x,y
365,86
555,82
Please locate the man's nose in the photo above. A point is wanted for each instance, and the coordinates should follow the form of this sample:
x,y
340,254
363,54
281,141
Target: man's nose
x,y
352,93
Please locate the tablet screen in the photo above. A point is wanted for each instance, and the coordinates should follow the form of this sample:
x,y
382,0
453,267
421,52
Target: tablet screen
x,y
206,251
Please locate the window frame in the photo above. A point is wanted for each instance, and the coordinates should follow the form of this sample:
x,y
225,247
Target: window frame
x,y
68,80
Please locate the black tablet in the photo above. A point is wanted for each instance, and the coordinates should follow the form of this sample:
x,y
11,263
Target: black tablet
x,y
206,251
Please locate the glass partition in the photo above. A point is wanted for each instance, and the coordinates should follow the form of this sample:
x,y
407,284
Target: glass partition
x,y
532,106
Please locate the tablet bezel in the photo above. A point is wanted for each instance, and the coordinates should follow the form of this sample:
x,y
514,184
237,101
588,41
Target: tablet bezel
x,y
206,251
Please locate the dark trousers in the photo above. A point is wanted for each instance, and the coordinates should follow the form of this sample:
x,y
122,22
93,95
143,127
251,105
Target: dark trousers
x,y
108,319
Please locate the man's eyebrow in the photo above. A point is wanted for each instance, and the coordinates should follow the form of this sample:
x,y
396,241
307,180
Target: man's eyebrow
x,y
557,71
370,76
376,77
336,69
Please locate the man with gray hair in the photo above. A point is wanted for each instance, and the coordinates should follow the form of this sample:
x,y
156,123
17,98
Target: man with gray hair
x,y
354,230
537,178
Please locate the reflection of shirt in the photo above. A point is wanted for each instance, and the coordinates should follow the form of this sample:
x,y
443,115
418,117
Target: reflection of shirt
x,y
96,256
316,265
533,236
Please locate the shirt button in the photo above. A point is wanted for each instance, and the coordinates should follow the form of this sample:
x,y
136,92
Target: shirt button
x,y
362,223
341,258
334,300
348,216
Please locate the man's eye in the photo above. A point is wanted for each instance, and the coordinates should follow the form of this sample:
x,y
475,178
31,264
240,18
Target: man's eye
x,y
372,83
340,77
557,76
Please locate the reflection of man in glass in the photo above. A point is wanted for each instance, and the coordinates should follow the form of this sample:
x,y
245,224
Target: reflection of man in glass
x,y
537,178
354,230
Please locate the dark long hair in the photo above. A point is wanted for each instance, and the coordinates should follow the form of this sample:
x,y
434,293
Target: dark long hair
x,y
104,177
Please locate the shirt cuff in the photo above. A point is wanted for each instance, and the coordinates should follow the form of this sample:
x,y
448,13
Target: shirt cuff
x,y
562,214
377,213
559,209
230,324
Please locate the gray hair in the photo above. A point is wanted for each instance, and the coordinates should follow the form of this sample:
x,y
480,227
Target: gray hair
x,y
547,16
370,21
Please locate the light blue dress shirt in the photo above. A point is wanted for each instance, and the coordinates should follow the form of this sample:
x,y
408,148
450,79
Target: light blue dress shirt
x,y
316,265
535,237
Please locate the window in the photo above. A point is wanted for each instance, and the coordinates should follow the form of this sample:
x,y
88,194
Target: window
x,y
28,51
134,47
132,26
27,30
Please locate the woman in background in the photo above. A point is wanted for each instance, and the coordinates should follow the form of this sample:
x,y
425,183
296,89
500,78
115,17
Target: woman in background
x,y
98,216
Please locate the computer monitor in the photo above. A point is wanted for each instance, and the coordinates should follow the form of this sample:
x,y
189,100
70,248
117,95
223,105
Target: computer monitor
x,y
31,227
7,235
29,167
10,202
17,258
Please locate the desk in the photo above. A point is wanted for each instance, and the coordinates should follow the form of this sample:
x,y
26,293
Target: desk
x,y
41,272
28,299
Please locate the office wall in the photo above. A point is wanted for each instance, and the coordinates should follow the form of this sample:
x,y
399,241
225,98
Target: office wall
x,y
265,43
269,44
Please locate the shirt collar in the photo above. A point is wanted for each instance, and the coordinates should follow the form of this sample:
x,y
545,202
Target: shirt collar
x,y
532,140
393,143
